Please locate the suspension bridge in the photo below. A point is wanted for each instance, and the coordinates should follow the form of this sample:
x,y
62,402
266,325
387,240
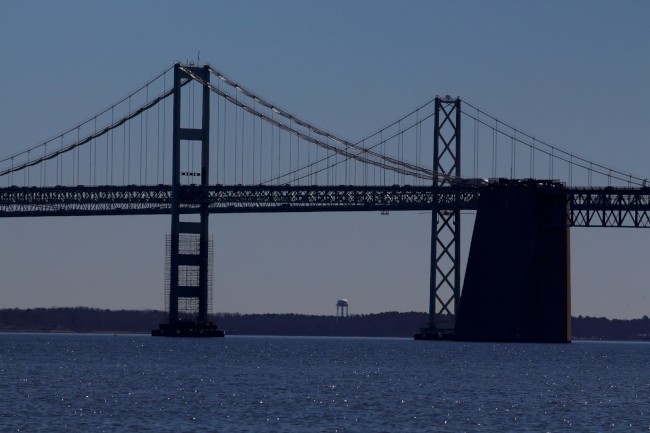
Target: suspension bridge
x,y
193,142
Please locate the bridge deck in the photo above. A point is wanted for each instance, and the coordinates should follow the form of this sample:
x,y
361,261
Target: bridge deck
x,y
589,207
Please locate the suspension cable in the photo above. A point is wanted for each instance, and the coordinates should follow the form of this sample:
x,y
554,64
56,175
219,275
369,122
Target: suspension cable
x,y
299,121
415,172
86,139
556,152
66,132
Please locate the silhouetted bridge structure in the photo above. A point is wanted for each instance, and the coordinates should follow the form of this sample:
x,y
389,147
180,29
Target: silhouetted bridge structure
x,y
587,207
144,156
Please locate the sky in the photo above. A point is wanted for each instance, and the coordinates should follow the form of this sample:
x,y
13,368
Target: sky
x,y
574,73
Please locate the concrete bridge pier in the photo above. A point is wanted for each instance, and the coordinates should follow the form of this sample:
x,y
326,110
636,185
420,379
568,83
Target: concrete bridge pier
x,y
517,283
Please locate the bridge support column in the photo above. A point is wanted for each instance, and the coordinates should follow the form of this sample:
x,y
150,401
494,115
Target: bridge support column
x,y
444,282
517,283
189,263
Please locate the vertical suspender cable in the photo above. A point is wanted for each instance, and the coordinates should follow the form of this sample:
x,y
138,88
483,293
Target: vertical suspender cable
x,y
328,172
128,160
254,155
317,166
418,143
78,155
112,142
243,141
383,151
347,160
272,150
60,160
235,143
146,136
45,165
514,154
496,149
335,169
401,137
261,150
512,157
164,127
73,155
123,156
141,147
476,136
106,161
218,156
374,173
309,180
365,170
328,169
298,159
90,160
494,152
532,159
158,144
225,121
396,176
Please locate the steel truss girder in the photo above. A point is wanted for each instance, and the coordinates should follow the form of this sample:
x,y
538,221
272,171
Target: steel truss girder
x,y
586,207
156,200
609,207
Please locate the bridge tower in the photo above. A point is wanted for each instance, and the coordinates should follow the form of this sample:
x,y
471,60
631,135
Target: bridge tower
x,y
189,249
444,280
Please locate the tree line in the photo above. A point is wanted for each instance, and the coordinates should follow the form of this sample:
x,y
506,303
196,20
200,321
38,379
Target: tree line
x,y
388,324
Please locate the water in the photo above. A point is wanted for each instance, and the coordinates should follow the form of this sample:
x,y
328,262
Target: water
x,y
279,384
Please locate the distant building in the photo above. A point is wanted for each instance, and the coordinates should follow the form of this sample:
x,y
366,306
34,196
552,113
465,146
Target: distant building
x,y
342,308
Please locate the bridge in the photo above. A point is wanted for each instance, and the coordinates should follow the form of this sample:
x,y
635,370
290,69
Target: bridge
x,y
192,142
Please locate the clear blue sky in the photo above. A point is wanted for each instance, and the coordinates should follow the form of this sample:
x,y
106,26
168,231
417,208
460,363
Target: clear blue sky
x,y
574,73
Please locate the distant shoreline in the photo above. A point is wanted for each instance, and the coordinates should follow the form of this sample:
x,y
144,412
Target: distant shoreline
x,y
387,324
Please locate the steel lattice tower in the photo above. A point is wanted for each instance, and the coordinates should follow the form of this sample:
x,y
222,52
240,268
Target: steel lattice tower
x,y
444,282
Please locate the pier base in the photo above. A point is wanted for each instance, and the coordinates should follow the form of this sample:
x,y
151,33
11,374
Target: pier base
x,y
434,335
184,328
517,284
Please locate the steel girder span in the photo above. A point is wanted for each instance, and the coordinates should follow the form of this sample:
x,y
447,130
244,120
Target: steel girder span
x,y
609,207
587,207
156,200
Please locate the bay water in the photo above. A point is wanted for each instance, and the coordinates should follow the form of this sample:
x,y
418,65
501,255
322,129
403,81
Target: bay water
x,y
75,382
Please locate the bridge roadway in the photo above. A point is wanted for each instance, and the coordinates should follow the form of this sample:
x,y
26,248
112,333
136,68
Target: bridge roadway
x,y
588,207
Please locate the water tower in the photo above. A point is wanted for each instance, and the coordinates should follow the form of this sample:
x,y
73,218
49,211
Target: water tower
x,y
342,308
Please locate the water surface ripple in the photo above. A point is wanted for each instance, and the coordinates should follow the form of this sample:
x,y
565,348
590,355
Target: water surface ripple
x,y
282,384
